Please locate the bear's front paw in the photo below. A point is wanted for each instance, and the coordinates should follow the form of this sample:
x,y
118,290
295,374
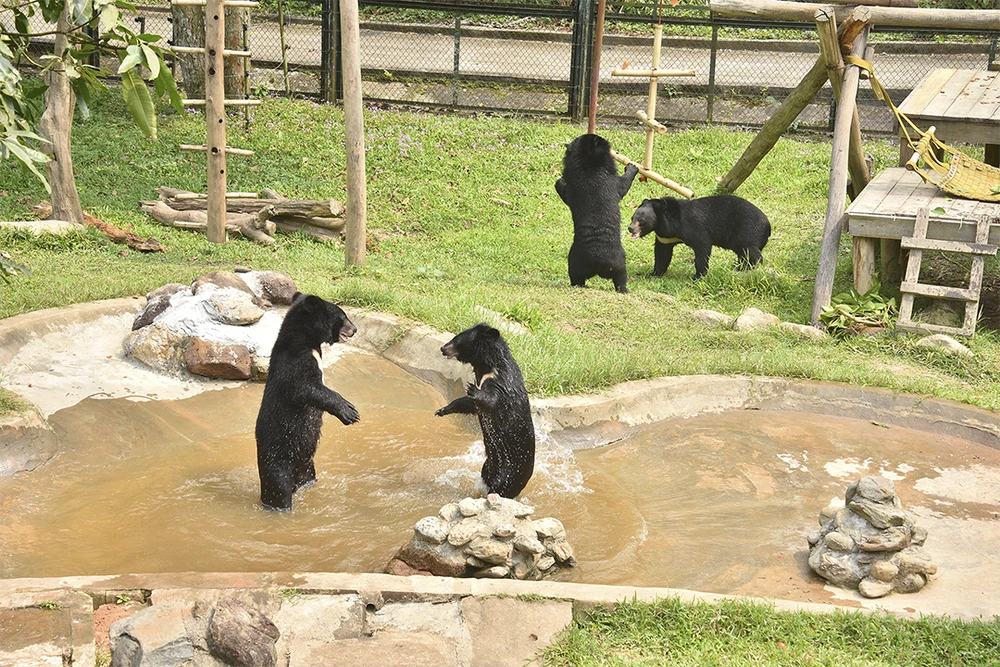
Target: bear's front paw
x,y
441,412
349,415
471,389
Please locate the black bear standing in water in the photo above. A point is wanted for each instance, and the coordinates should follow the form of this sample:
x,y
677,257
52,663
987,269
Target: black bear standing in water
x,y
500,400
295,398
591,187
726,221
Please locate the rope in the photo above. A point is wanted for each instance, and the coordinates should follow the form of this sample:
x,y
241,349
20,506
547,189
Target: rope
x,y
961,175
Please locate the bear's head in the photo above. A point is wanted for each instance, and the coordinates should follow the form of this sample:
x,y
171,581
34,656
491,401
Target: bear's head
x,y
588,151
478,346
644,218
319,320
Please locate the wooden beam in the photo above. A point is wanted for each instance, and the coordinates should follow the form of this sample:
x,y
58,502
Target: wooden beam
x,y
835,215
896,17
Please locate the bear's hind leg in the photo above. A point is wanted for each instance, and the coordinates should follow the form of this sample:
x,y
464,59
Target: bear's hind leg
x,y
276,489
305,473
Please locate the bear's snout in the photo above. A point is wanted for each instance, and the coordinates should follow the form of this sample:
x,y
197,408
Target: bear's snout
x,y
347,330
448,350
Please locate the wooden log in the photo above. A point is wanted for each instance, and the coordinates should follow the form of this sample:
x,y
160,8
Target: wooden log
x,y
330,224
775,126
115,234
863,260
826,27
315,232
877,3
835,215
257,227
896,17
298,208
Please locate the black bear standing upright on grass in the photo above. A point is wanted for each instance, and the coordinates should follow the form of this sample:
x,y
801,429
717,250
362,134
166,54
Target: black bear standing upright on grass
x,y
295,398
726,221
591,187
500,400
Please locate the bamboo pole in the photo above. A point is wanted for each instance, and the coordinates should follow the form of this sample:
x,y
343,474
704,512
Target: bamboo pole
x,y
896,17
825,273
354,130
215,116
655,177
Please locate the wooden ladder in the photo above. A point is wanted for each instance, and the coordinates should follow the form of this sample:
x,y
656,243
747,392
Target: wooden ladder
x,y
912,287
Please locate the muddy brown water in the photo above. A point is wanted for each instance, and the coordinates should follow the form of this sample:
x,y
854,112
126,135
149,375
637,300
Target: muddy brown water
x,y
719,503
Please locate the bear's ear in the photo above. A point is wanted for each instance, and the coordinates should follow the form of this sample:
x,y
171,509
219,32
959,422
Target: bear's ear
x,y
297,296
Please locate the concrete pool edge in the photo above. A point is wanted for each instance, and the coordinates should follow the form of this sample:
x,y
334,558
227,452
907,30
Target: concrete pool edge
x,y
591,420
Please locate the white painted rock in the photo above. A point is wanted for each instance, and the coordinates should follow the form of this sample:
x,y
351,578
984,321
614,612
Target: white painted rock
x,y
945,345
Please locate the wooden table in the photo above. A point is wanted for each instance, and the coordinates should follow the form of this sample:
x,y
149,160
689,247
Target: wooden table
x,y
887,209
964,106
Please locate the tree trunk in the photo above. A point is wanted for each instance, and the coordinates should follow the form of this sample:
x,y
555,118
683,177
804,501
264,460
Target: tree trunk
x,y
189,30
56,128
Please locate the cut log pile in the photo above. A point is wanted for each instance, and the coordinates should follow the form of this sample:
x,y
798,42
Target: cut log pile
x,y
255,218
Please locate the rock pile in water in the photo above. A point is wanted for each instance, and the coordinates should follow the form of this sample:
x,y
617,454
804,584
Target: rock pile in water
x,y
872,543
490,537
220,326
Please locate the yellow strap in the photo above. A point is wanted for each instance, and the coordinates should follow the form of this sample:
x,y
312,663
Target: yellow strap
x,y
672,239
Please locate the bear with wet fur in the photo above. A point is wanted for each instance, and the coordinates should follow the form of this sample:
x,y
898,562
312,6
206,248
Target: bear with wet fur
x,y
725,221
498,397
295,398
591,187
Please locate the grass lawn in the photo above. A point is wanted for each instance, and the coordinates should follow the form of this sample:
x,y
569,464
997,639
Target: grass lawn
x,y
462,213
670,633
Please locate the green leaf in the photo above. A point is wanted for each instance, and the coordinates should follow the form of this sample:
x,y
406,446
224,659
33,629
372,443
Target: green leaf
x,y
152,61
29,157
938,211
133,58
139,102
83,96
166,81
149,39
110,16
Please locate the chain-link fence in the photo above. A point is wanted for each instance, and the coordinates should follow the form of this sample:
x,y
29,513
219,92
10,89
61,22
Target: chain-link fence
x,y
534,56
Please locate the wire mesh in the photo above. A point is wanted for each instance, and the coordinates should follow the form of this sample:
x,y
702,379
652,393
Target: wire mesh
x,y
519,56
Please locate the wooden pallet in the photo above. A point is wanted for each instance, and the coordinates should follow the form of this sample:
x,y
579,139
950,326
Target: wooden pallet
x,y
912,286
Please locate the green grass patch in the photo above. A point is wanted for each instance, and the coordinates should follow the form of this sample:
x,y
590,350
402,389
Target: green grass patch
x,y
10,403
671,633
463,215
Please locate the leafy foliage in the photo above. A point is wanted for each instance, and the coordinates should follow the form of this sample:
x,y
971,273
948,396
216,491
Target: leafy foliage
x,y
140,59
850,312
8,267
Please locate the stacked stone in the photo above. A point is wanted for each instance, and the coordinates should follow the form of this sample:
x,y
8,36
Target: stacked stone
x,y
872,544
490,537
216,327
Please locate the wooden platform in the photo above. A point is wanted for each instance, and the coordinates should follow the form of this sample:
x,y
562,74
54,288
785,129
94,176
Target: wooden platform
x,y
887,209
964,106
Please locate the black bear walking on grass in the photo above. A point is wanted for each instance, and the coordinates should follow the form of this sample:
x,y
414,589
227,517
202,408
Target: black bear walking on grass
x,y
726,221
295,398
500,400
591,187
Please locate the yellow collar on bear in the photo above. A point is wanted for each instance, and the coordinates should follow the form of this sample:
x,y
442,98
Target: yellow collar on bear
x,y
664,239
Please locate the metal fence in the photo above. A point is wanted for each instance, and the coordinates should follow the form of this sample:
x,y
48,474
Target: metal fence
x,y
534,56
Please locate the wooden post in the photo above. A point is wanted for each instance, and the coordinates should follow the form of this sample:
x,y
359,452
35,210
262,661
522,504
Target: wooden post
x,y
825,273
354,131
595,74
826,26
215,115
